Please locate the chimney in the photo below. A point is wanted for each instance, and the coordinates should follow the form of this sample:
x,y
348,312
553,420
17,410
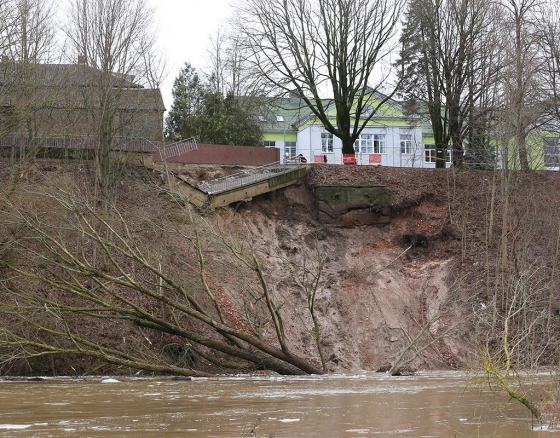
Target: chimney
x,y
81,59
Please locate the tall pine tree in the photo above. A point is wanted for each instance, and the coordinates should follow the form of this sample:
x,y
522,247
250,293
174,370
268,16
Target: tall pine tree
x,y
188,101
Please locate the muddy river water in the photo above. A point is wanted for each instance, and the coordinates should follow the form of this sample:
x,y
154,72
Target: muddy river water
x,y
358,405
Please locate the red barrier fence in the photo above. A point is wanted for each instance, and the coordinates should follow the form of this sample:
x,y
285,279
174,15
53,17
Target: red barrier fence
x,y
226,155
206,153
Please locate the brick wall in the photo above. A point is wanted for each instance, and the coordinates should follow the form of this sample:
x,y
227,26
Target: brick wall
x,y
227,155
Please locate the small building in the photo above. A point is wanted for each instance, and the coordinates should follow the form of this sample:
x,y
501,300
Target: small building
x,y
390,138
54,104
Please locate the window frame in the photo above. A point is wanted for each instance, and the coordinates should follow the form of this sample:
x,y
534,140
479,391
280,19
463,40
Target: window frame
x,y
431,148
327,143
290,147
406,144
368,143
548,144
429,153
379,143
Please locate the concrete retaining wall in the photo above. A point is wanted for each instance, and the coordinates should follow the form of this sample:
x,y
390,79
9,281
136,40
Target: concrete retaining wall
x,y
353,206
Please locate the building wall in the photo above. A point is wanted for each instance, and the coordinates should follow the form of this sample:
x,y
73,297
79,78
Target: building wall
x,y
279,136
146,124
310,146
227,155
51,116
59,122
535,144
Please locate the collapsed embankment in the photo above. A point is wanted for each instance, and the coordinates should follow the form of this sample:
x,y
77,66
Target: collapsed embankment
x,y
438,274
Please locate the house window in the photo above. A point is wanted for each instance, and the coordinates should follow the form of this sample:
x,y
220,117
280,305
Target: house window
x,y
378,143
406,144
552,152
364,144
430,154
290,149
269,144
370,144
327,142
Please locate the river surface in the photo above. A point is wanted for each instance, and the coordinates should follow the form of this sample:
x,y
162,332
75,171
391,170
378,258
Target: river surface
x,y
360,405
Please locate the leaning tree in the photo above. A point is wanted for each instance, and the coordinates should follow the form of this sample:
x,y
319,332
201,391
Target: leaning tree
x,y
167,292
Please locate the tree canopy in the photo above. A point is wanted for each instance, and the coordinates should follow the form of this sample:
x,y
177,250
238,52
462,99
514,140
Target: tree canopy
x,y
309,49
202,111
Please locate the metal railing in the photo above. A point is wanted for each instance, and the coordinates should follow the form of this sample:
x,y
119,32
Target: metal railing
x,y
80,142
244,178
177,148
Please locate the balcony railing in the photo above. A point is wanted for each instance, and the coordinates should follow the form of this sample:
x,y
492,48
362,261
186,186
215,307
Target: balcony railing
x,y
244,178
75,142
178,148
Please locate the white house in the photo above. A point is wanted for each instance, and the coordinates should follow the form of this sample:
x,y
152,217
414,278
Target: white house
x,y
390,138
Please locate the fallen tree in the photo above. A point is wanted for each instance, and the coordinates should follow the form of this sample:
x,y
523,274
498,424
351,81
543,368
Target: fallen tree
x,y
68,267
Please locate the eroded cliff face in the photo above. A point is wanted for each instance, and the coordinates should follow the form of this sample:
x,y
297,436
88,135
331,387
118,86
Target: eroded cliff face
x,y
434,264
381,281
381,285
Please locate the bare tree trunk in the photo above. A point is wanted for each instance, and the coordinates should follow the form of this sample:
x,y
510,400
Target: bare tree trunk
x,y
113,38
128,286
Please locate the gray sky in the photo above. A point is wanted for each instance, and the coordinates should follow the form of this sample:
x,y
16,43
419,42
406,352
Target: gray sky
x,y
185,27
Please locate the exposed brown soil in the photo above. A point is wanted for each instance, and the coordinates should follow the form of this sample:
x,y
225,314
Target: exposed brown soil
x,y
375,298
380,283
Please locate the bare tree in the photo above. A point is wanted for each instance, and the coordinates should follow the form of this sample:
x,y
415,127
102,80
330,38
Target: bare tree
x,y
229,83
7,23
516,326
308,272
26,34
229,66
311,282
516,315
549,41
428,335
219,65
27,44
450,65
312,49
111,38
522,80
32,34
98,269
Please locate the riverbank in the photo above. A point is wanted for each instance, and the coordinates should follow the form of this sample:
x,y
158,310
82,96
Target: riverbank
x,y
427,290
